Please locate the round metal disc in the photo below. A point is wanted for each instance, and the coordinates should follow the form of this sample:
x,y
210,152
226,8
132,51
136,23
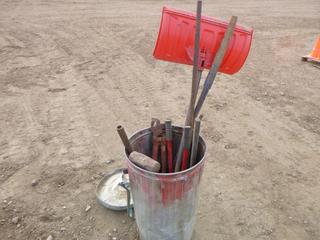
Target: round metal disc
x,y
110,194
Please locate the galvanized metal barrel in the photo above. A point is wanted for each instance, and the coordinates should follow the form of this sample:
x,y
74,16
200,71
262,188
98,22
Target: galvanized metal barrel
x,y
164,203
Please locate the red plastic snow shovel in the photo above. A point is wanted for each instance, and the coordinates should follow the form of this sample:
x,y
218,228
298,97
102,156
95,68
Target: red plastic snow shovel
x,y
175,41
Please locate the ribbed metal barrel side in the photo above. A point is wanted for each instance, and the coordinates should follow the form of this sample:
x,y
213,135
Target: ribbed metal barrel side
x,y
164,204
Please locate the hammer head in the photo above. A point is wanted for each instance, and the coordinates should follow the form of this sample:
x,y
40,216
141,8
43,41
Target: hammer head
x,y
144,162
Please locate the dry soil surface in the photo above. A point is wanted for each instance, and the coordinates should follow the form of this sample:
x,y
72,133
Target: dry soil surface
x,y
71,70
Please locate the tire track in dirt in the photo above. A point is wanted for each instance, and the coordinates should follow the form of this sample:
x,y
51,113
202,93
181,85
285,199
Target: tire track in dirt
x,y
138,78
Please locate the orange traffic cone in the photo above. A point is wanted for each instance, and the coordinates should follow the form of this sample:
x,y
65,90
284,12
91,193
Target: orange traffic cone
x,y
314,56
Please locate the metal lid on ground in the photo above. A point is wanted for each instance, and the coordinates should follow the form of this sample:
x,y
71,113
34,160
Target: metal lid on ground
x,y
110,193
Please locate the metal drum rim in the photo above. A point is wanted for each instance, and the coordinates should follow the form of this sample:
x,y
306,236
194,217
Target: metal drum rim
x,y
145,131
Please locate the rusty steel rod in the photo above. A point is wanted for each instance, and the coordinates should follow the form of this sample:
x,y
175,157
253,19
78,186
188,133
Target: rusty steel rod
x,y
195,70
168,130
163,152
195,141
186,148
185,135
196,76
124,138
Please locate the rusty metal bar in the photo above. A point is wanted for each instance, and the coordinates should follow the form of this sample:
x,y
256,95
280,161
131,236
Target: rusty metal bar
x,y
196,75
168,128
195,141
216,64
124,138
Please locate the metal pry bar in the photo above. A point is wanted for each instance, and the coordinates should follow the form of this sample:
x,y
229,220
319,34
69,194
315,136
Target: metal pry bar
x,y
216,64
195,141
186,148
168,128
196,75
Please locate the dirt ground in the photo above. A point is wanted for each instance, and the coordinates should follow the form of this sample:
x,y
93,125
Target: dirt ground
x,y
71,70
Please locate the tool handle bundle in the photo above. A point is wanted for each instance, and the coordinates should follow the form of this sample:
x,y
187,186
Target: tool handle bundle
x,y
162,140
196,75
161,156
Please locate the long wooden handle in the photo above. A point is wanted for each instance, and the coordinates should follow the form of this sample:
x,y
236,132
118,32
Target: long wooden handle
x,y
216,64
